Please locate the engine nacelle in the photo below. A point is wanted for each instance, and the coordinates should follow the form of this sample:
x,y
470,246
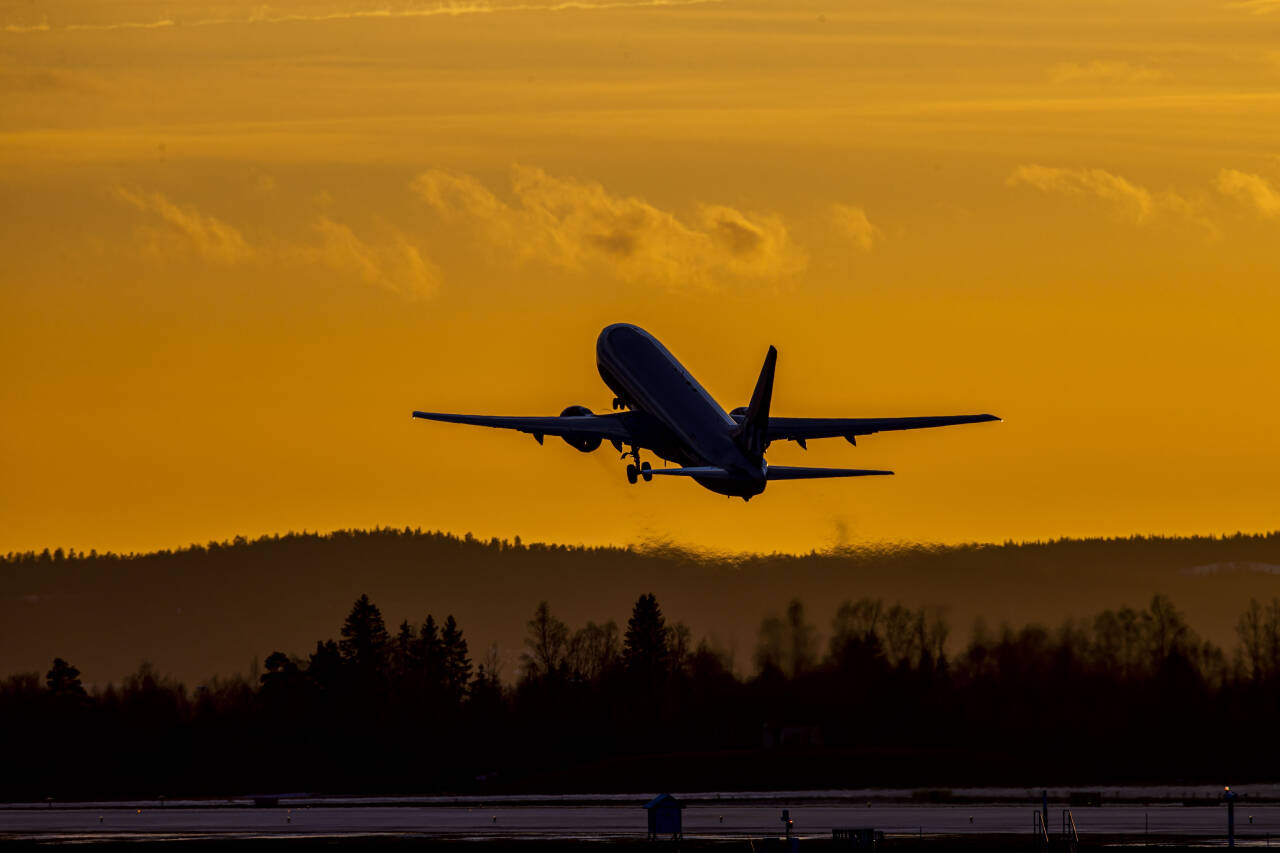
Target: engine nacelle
x,y
586,445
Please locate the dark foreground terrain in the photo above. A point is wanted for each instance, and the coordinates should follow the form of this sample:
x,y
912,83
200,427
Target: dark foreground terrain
x,y
395,844
971,819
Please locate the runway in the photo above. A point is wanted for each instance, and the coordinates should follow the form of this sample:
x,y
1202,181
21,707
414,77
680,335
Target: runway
x,y
1254,824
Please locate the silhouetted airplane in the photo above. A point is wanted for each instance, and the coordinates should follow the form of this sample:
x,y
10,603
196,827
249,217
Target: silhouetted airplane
x,y
673,416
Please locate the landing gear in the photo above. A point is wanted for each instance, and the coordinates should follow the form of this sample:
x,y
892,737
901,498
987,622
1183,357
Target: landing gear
x,y
637,469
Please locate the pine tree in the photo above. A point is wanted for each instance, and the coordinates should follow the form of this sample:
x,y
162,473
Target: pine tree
x,y
430,659
456,665
64,680
325,666
647,650
404,651
365,644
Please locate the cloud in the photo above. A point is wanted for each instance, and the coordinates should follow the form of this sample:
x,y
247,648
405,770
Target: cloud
x,y
1126,200
1132,201
1253,189
393,263
853,223
185,230
1102,70
263,14
578,224
396,265
127,25
456,194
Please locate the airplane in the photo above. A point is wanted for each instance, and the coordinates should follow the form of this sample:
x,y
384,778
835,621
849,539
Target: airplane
x,y
667,412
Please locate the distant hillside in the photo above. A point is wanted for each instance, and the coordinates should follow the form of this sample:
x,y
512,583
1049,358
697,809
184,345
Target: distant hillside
x,y
214,609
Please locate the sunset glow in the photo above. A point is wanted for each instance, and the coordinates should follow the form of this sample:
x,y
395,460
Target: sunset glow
x,y
242,243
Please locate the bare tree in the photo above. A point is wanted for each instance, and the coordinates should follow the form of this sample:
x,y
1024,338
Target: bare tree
x,y
547,641
681,647
902,635
802,640
771,645
1166,631
1259,632
593,650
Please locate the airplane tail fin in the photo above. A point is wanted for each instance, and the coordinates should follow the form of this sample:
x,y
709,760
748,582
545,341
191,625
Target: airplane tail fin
x,y
752,434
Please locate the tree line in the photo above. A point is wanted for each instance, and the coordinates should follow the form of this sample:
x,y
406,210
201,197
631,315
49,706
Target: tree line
x,y
211,608
882,696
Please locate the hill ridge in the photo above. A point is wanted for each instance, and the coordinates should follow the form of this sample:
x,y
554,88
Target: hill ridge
x,y
211,609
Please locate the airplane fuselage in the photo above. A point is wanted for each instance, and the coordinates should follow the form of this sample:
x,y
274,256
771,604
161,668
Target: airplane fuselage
x,y
698,431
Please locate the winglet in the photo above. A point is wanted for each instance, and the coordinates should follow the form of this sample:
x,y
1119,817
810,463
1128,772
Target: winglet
x,y
752,434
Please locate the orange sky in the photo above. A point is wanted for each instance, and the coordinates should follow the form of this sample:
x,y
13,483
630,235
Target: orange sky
x,y
242,242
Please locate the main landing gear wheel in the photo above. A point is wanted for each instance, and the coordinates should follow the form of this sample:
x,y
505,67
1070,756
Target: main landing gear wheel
x,y
633,474
646,471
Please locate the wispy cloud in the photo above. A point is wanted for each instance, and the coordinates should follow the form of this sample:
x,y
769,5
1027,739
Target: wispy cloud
x,y
185,230
264,16
1132,201
177,232
1253,189
1126,200
852,222
395,265
1101,70
132,25
574,224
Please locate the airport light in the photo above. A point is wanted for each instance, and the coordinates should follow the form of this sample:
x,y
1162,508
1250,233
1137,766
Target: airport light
x,y
1230,797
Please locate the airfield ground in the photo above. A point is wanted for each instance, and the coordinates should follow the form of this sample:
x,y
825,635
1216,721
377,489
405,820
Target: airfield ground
x,y
987,819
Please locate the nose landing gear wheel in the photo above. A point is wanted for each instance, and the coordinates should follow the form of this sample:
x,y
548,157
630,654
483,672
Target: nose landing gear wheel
x,y
632,474
646,471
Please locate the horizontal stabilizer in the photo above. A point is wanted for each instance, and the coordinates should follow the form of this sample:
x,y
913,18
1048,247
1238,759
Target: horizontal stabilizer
x,y
709,472
787,472
803,429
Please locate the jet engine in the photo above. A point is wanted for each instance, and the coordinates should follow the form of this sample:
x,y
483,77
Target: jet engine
x,y
586,445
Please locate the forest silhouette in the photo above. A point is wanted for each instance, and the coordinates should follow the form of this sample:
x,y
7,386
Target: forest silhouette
x,y
1124,695
210,610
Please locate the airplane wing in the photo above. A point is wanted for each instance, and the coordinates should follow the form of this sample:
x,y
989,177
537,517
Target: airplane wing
x,y
787,472
773,472
619,426
802,429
